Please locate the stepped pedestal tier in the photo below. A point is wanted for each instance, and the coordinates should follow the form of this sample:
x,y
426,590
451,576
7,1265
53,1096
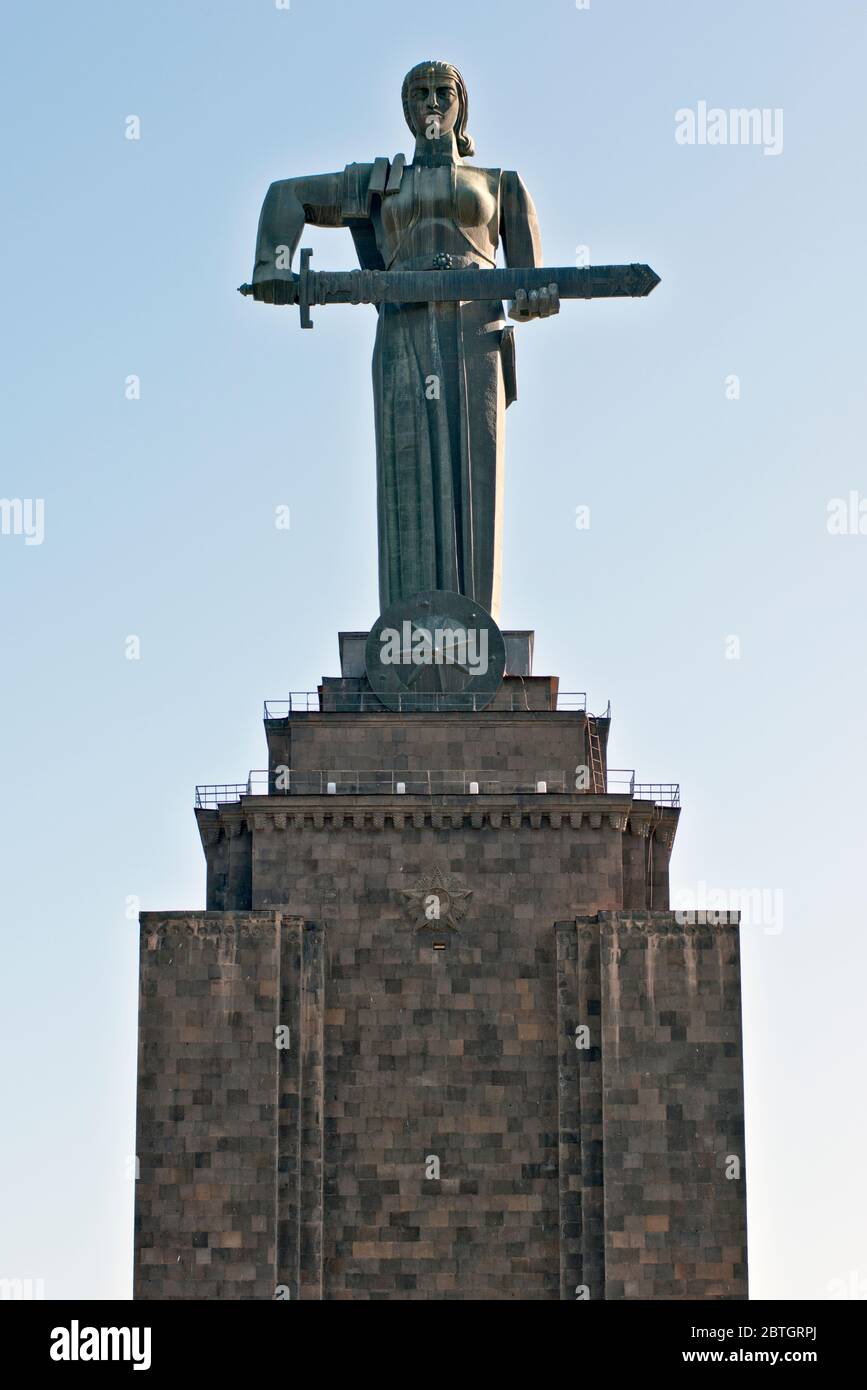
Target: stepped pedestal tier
x,y
437,1034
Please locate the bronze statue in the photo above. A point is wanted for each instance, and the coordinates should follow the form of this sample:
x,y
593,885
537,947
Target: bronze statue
x,y
443,374
443,368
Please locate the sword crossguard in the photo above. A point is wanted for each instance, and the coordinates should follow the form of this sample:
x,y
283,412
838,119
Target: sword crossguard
x,y
300,289
304,296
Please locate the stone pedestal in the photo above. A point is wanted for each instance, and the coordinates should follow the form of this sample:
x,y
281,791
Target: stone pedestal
x,y
437,1034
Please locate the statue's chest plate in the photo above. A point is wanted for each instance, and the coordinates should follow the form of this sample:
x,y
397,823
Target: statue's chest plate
x,y
445,208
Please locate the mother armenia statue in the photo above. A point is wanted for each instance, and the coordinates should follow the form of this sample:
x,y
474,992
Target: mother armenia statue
x,y
443,373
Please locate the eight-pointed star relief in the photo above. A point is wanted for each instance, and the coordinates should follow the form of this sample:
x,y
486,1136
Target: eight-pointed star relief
x,y
437,900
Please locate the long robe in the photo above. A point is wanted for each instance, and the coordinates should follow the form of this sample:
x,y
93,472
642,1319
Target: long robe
x,y
443,374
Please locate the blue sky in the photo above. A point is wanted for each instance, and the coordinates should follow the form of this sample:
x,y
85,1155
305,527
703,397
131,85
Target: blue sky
x,y
708,514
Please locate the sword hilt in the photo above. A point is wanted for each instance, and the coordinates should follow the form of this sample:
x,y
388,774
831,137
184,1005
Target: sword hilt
x,y
293,291
278,291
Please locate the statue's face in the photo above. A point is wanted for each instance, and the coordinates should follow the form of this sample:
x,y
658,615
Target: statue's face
x,y
434,104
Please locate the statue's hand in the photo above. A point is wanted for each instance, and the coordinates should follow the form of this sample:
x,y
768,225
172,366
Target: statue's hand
x,y
274,291
538,304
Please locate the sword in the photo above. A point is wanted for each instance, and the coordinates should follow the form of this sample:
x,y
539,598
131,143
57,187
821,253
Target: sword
x,y
442,285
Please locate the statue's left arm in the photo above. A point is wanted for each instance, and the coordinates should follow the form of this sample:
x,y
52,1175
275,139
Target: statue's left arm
x,y
522,247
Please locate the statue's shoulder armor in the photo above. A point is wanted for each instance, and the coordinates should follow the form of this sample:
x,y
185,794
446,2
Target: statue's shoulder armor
x,y
364,182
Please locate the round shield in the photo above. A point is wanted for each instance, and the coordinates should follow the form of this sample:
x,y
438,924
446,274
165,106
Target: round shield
x,y
434,652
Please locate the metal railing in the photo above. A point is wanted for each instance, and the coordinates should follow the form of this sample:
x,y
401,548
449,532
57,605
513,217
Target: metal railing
x,y
333,701
222,793
425,783
621,780
660,793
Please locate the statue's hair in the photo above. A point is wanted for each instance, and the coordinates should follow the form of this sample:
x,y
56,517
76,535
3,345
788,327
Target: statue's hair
x,y
465,143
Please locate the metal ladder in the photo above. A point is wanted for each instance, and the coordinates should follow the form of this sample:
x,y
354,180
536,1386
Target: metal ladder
x,y
597,767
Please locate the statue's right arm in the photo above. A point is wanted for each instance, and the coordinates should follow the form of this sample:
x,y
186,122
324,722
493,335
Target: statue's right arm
x,y
290,205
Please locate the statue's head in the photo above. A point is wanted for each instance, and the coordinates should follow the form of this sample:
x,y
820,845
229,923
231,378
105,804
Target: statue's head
x,y
435,100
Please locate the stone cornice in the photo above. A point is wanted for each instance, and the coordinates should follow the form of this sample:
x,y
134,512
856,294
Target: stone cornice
x,y
606,928
547,811
160,928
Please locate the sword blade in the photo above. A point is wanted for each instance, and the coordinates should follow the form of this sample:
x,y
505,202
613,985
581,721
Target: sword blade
x,y
449,286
